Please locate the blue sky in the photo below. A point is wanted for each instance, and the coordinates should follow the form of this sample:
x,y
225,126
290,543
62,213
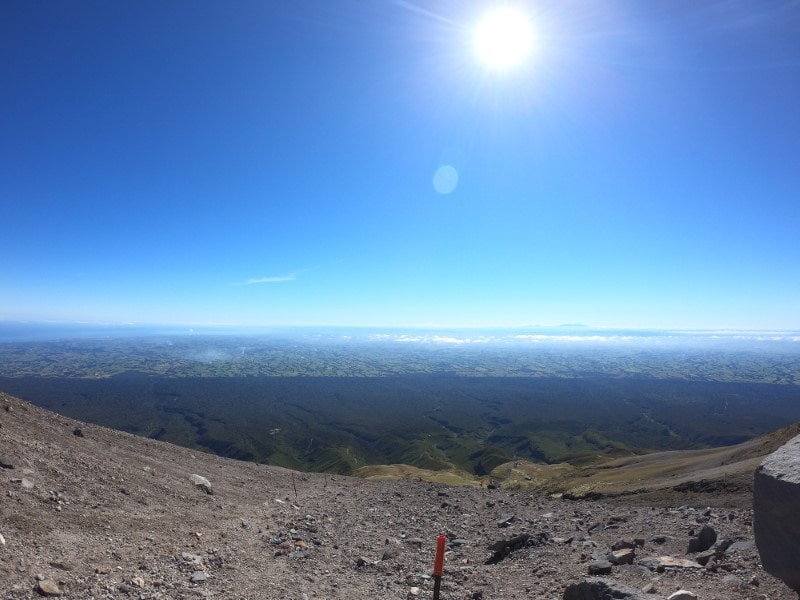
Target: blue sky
x,y
273,163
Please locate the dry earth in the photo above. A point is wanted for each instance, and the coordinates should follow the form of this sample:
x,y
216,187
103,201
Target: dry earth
x,y
111,515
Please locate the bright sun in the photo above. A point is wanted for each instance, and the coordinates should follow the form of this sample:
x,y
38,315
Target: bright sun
x,y
503,38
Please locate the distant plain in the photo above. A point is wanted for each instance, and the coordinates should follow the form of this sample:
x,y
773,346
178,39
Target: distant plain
x,y
447,401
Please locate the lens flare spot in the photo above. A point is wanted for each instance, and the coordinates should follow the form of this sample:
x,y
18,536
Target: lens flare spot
x,y
445,179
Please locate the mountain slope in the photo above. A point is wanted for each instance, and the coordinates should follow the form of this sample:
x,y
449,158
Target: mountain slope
x,y
106,514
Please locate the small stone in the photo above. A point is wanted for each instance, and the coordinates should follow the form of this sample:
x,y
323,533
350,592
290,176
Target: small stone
x,y
623,544
702,541
192,558
2,540
741,547
622,557
660,539
600,567
6,462
732,582
203,483
138,582
198,577
414,591
48,587
77,432
683,595
506,521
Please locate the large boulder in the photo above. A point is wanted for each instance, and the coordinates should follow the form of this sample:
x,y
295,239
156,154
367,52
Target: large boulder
x,y
776,507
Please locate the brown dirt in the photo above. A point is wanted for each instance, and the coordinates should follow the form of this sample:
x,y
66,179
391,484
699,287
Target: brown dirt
x,y
110,514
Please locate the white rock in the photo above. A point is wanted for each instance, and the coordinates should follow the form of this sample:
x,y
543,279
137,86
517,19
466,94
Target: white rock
x,y
201,482
683,595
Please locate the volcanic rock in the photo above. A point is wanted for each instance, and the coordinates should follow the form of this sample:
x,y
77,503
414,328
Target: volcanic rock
x,y
702,541
600,589
776,506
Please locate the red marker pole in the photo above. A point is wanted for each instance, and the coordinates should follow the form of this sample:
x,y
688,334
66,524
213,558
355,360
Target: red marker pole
x,y
438,566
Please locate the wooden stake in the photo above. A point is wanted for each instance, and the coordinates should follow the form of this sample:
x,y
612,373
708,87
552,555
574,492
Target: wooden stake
x,y
438,566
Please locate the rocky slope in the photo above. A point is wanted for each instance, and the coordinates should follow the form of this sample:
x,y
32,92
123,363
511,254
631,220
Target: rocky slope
x,y
88,512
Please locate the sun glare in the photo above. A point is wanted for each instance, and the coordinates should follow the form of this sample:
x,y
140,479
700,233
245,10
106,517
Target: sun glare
x,y
503,38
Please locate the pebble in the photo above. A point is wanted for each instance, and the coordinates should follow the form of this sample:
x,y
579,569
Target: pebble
x,y
683,595
48,587
600,567
198,577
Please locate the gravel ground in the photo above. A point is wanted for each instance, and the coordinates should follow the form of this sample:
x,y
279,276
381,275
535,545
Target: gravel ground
x,y
105,514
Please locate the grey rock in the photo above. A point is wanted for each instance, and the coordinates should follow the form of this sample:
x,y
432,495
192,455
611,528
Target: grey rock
x,y
503,548
391,552
621,557
732,582
600,589
704,557
623,544
702,541
193,559
6,462
600,567
660,539
506,521
776,512
198,577
742,547
723,544
415,541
